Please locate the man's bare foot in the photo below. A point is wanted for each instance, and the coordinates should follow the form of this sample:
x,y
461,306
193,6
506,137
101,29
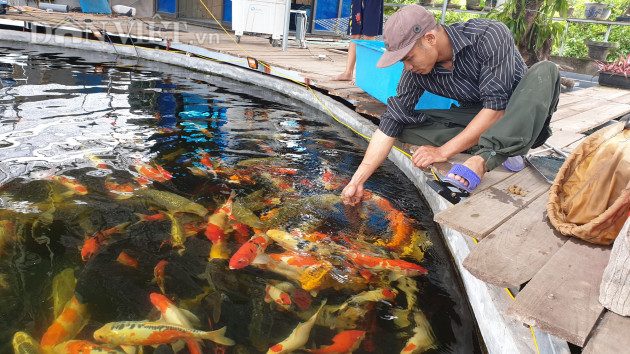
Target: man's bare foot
x,y
477,164
343,77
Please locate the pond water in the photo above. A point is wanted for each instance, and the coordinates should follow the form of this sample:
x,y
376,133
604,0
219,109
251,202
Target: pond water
x,y
122,178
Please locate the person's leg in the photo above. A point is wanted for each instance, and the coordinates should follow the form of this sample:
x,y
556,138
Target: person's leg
x,y
525,123
347,75
527,116
440,126
355,29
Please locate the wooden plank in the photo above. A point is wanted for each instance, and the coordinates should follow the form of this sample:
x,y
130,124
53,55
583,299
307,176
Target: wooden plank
x,y
610,335
623,99
603,92
374,109
566,99
483,212
513,253
562,298
562,138
592,118
563,112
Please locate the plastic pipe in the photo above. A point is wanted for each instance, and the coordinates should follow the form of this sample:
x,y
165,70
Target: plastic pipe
x,y
54,7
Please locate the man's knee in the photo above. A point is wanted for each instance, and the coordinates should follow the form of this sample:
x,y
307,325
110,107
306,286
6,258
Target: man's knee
x,y
545,68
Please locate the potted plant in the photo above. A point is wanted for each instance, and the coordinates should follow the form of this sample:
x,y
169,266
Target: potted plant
x,y
599,50
597,10
615,74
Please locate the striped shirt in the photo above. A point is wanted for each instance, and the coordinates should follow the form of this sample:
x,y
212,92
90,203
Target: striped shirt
x,y
486,69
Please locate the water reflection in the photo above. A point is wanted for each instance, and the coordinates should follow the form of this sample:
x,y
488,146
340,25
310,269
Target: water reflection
x,y
124,178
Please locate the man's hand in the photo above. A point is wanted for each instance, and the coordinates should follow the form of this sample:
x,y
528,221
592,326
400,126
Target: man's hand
x,y
426,155
352,194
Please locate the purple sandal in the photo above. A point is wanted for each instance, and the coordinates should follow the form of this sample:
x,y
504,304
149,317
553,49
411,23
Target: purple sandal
x,y
465,172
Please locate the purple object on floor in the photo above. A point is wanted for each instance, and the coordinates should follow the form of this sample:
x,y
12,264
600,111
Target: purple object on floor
x,y
514,163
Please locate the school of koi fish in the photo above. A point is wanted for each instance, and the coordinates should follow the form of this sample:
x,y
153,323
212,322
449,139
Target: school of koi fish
x,y
256,231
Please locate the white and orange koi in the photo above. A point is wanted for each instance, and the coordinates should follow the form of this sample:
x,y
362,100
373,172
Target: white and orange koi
x,y
273,294
298,338
384,264
249,251
121,191
83,347
157,173
67,325
25,344
344,342
152,333
72,184
296,243
217,228
173,314
423,338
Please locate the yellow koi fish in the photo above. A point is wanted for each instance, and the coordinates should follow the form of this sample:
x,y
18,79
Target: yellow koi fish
x,y
25,344
151,333
423,338
72,184
298,338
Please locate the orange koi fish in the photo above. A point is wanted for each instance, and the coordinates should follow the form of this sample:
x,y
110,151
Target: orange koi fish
x,y
153,217
83,347
72,184
92,244
217,227
298,338
159,275
241,232
384,264
122,190
344,342
125,259
248,251
331,182
158,173
152,333
97,162
173,314
67,325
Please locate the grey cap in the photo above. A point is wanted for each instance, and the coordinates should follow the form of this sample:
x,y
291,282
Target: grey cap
x,y
402,30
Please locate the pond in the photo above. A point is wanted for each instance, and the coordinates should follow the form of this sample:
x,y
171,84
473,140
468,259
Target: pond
x,y
137,191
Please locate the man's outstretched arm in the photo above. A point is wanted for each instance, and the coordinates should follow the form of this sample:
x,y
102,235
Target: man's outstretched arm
x,y
376,153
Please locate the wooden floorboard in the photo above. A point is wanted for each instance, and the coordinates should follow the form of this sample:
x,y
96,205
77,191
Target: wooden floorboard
x,y
513,253
480,214
610,335
562,298
591,118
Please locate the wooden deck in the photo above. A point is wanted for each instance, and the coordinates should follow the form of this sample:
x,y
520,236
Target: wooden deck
x,y
558,277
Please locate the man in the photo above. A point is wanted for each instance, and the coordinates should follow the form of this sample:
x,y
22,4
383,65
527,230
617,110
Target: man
x,y
504,108
366,18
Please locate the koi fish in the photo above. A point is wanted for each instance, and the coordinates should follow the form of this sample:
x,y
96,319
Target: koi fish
x,y
159,276
384,264
423,337
240,232
331,182
72,184
371,296
153,217
92,244
173,314
67,325
298,338
158,174
125,259
25,344
63,285
177,232
295,243
172,202
248,251
216,229
243,214
97,162
151,333
83,347
273,294
343,342
123,191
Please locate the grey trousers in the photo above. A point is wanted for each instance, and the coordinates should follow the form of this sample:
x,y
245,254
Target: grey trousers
x,y
524,125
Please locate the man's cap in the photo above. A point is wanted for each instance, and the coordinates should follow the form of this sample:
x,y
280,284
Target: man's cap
x,y
402,30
